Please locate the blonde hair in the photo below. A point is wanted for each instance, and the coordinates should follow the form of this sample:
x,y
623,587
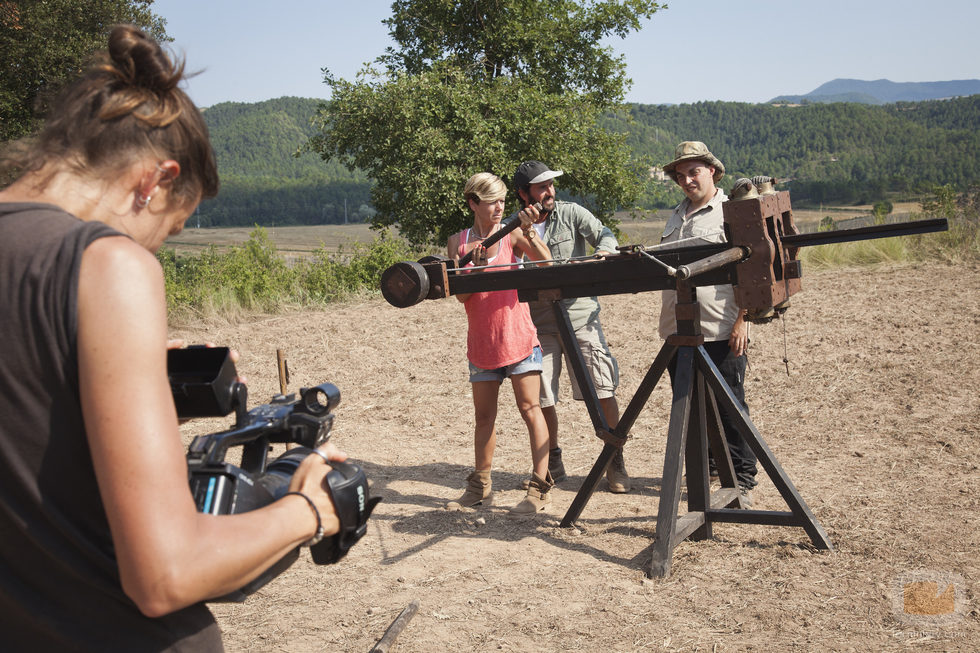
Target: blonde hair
x,y
484,187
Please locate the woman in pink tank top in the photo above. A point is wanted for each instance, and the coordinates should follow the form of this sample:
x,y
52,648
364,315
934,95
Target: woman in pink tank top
x,y
501,342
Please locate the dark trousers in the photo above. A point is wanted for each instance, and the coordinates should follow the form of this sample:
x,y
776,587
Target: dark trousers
x,y
732,369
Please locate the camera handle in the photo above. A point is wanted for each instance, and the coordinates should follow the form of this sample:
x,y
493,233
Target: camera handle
x,y
239,400
254,453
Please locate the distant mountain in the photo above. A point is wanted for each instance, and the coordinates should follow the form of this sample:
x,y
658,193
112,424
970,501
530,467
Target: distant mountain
x,y
260,140
882,91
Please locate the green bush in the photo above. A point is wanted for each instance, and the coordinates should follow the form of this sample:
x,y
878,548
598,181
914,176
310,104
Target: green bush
x,y
254,277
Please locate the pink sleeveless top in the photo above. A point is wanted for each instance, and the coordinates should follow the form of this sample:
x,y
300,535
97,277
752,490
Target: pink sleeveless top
x,y
500,329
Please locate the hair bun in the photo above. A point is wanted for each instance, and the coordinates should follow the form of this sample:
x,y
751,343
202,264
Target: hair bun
x,y
141,62
127,105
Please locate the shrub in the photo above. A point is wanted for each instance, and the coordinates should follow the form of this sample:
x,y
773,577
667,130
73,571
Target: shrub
x,y
254,276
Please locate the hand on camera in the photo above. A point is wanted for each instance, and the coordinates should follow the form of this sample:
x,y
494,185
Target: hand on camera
x,y
311,479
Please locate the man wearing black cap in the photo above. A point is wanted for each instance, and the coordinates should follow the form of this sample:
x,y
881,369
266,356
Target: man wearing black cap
x,y
699,219
571,231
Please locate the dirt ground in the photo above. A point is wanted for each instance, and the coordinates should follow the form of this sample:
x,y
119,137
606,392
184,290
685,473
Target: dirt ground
x,y
876,424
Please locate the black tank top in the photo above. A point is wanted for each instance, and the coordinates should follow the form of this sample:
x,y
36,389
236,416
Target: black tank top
x,y
59,581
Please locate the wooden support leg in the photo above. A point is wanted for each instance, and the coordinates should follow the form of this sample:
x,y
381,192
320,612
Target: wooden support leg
x,y
680,411
575,360
699,385
802,516
696,457
640,398
717,442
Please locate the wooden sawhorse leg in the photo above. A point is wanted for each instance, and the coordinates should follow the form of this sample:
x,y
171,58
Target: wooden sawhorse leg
x,y
697,385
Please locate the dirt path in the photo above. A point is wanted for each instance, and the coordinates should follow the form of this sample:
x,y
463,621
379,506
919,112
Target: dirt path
x,y
876,425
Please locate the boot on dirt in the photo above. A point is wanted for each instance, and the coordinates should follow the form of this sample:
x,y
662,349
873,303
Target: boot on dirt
x,y
745,497
478,491
538,496
555,467
616,475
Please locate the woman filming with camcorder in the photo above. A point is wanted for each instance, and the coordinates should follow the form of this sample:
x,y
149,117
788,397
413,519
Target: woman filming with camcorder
x,y
101,545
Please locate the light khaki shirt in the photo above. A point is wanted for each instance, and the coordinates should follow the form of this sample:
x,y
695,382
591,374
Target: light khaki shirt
x,y
718,308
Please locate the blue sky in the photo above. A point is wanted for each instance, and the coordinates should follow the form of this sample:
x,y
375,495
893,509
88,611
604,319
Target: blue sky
x,y
744,51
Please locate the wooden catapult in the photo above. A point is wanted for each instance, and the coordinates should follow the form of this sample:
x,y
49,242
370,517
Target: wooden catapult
x,y
760,261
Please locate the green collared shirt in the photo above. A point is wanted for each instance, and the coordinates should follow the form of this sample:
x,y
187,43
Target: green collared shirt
x,y
571,231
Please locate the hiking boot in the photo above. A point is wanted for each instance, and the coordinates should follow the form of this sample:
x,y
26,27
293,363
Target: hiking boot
x,y
555,467
745,496
616,475
714,481
538,496
478,491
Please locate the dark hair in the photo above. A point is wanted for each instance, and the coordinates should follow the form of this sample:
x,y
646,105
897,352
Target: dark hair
x,y
127,104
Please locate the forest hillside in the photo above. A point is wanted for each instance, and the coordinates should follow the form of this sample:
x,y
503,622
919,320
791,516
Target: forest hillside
x,y
843,152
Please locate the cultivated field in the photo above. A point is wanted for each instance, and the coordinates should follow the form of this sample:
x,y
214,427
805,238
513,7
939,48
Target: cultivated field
x,y
297,240
875,422
304,240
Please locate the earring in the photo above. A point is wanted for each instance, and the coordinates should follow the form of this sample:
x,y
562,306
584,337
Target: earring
x,y
143,201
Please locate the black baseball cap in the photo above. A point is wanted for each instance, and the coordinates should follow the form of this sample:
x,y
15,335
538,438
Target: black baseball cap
x,y
533,172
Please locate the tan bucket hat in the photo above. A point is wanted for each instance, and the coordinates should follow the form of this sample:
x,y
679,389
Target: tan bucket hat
x,y
689,150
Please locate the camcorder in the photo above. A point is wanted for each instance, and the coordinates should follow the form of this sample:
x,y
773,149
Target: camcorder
x,y
204,383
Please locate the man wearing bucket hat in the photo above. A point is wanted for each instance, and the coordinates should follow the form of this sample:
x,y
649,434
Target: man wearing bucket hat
x,y
699,217
570,231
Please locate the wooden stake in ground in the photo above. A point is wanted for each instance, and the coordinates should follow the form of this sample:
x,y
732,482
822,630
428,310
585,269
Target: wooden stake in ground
x,y
395,629
283,371
283,378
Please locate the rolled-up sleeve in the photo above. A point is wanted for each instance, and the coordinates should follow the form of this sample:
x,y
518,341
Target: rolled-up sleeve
x,y
597,234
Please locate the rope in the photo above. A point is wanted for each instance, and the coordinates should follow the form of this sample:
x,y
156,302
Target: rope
x,y
671,271
528,263
572,259
719,232
782,318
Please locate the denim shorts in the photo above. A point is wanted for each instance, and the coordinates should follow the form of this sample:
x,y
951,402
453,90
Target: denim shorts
x,y
530,364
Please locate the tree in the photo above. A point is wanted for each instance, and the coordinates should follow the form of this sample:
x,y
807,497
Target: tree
x,y
942,203
481,86
555,44
45,44
421,136
881,210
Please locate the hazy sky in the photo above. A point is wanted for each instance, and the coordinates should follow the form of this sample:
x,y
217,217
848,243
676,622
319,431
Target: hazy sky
x,y
748,51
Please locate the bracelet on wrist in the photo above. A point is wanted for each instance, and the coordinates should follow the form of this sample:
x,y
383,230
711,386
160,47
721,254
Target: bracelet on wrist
x,y
319,523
